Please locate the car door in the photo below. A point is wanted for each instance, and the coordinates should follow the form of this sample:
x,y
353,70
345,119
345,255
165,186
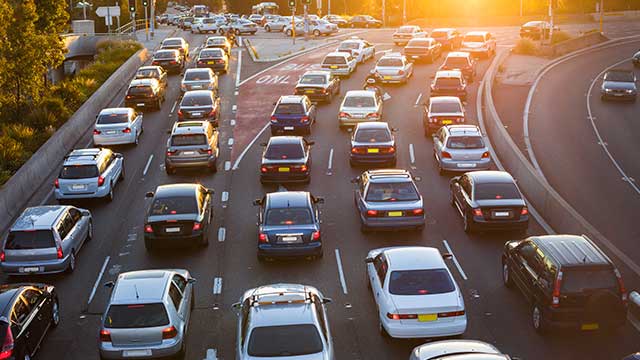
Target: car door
x,y
321,314
360,193
178,302
381,266
80,227
23,327
69,234
40,306
135,122
185,289
438,143
525,275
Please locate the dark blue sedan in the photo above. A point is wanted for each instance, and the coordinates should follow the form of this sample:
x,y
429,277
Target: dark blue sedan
x,y
289,225
293,114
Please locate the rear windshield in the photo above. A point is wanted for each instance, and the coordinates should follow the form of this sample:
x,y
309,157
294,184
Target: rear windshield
x,y
196,100
208,21
453,62
136,316
445,107
188,140
349,46
216,41
288,216
334,60
24,240
313,80
289,109
533,24
622,76
147,73
197,75
372,135
439,34
140,90
447,82
175,42
418,43
113,119
465,142
359,101
284,151
165,55
213,53
395,62
405,30
389,192
474,38
492,191
174,205
576,281
79,172
420,282
284,341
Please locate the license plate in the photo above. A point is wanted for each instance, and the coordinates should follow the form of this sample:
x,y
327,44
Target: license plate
x,y
110,132
189,152
136,353
466,165
309,91
394,213
140,104
387,77
414,56
501,214
334,67
172,229
288,127
28,269
211,62
196,114
196,86
447,122
373,151
78,187
590,326
289,239
284,169
427,317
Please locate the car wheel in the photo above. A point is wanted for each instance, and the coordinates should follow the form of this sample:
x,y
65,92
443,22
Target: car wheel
x,y
267,28
506,275
55,313
170,170
148,245
237,31
89,232
467,223
316,32
289,33
72,262
110,194
536,319
135,140
122,172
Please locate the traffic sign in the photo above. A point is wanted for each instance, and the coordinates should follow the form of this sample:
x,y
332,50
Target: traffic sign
x,y
104,11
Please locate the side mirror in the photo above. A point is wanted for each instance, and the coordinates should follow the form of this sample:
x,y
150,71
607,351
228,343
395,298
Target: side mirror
x,y
85,212
109,284
211,191
327,300
257,202
191,281
368,260
318,200
394,129
447,256
417,178
149,194
118,155
355,180
236,306
310,143
169,132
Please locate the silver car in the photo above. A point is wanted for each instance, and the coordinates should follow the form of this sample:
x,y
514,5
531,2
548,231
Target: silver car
x,y
89,174
192,144
394,68
457,349
199,79
283,321
147,315
45,240
277,24
359,106
460,148
117,126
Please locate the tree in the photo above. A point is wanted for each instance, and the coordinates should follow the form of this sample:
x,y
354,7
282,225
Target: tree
x,y
52,19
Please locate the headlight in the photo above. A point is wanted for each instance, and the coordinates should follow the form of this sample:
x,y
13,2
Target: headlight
x,y
607,90
629,91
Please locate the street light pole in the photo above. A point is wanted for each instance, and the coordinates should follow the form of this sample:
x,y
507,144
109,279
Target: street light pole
x,y
601,16
146,24
152,24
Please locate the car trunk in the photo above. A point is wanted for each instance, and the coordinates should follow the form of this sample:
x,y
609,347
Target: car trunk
x,y
189,152
501,209
388,70
30,246
172,225
365,148
358,112
466,154
290,235
197,84
447,118
416,50
393,208
427,306
210,60
284,166
113,130
79,179
196,112
309,89
138,337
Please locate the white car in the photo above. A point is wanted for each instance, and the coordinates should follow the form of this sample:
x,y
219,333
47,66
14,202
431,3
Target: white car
x,y
406,33
240,26
194,24
205,26
415,293
359,106
277,23
339,63
457,349
116,126
479,43
394,68
316,27
361,50
256,18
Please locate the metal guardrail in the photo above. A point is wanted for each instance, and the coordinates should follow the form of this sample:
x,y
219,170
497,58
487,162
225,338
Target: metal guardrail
x,y
130,26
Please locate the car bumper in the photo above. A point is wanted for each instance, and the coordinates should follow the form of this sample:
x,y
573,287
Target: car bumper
x,y
290,128
437,125
114,140
146,103
345,122
399,40
462,94
575,320
171,67
166,349
464,166
339,72
44,267
177,240
190,163
101,192
393,222
379,159
480,223
212,119
290,251
620,96
434,329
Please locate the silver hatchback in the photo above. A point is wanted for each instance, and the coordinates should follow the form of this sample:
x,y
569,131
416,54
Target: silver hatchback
x,y
460,148
199,79
192,144
359,106
147,315
117,126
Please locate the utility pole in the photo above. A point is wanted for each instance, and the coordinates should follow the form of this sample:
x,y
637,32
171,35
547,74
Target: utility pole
x,y
551,6
328,7
601,16
306,22
153,17
146,23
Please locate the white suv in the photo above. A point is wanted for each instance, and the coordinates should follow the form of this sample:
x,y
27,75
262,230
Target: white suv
x,y
479,43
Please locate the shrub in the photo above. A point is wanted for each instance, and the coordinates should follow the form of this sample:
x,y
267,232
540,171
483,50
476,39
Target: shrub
x,y
560,36
526,46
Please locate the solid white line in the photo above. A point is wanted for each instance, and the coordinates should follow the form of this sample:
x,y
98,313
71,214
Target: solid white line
x,y
227,165
217,286
146,168
412,155
330,159
222,234
455,260
225,196
246,149
341,273
418,99
95,286
212,354
238,67
173,108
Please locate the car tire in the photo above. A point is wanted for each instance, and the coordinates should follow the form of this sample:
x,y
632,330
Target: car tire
x,y
72,262
110,194
237,32
267,28
467,223
289,33
148,245
135,140
89,232
506,275
55,313
536,319
316,33
170,170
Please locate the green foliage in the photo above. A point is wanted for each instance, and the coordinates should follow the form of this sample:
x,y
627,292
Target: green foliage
x,y
525,46
560,36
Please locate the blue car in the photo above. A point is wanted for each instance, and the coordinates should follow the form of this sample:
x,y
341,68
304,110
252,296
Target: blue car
x,y
293,114
289,225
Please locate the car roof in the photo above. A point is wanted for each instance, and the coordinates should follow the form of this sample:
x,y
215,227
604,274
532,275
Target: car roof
x,y
170,190
291,99
443,29
452,347
173,51
491,176
189,127
143,82
448,74
38,217
365,93
174,38
82,156
444,99
388,175
317,72
140,286
120,110
459,54
150,67
571,250
197,70
414,258
216,38
372,125
338,53
392,55
281,304
458,130
477,33
285,140
284,199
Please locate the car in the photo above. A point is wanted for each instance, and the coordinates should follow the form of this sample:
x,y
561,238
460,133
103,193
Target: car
x,y
388,199
619,84
215,59
286,159
145,93
449,38
537,30
316,28
169,60
192,144
256,18
459,148
179,215
185,22
423,49
576,286
479,43
200,105
194,24
415,293
89,174
457,350
207,25
147,315
277,23
636,59
29,311
461,61
199,79
339,63
361,50
439,111
373,143
407,32
283,321
293,113
318,85
266,18
218,42
177,43
117,126
359,106
489,200
45,240
240,26
364,21
152,72
289,225
449,83
394,68
336,19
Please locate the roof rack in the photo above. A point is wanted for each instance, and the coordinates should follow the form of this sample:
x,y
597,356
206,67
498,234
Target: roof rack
x,y
93,153
255,299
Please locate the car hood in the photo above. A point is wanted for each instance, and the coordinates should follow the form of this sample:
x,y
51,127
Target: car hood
x,y
501,202
177,217
618,85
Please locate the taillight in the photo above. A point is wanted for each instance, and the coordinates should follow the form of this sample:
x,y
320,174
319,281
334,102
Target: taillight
x,y
212,113
169,333
400,72
304,119
2,256
388,150
262,238
96,132
105,335
451,313
206,151
59,253
196,226
433,120
126,131
372,213
445,155
263,169
100,180
459,120
56,183
316,236
7,346
555,296
304,168
417,211
343,115
128,97
171,152
375,114
148,229
485,155
621,288
401,316
173,62
477,212
274,119
180,113
524,211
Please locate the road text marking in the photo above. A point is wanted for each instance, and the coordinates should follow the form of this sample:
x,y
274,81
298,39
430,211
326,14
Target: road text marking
x,y
225,196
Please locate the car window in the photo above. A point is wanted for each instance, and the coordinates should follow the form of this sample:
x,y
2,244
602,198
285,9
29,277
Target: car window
x,y
490,191
30,240
292,340
176,295
112,119
405,29
216,41
420,282
332,60
188,140
392,62
136,316
288,216
175,42
465,142
140,90
289,109
180,282
393,191
349,46
380,264
65,226
619,76
466,185
372,135
32,296
448,82
20,311
359,101
321,316
453,62
474,38
75,215
147,73
284,151
579,280
165,55
419,43
313,80
445,107
197,75
79,172
174,205
439,34
197,100
212,53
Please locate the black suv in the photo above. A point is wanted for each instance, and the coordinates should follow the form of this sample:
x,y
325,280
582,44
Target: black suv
x,y
145,93
568,280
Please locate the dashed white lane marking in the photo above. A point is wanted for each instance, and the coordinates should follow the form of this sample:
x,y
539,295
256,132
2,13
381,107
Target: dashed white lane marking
x,y
330,164
412,155
212,354
227,165
217,286
230,142
146,168
232,122
239,65
95,286
234,108
455,260
173,108
222,234
418,100
225,196
235,93
343,282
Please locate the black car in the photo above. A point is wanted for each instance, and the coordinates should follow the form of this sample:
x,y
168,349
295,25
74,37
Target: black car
x,y
145,93
286,159
215,59
619,84
364,21
199,105
289,225
636,59
569,282
373,143
536,30
489,200
170,60
179,214
29,311
318,85
449,38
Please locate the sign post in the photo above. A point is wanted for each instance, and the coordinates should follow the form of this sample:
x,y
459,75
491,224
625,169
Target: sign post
x,y
292,6
108,12
152,24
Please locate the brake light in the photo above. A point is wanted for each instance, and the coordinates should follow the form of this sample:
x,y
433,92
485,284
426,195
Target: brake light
x,y
263,169
212,113
375,114
303,168
169,333
126,131
148,229
100,180
621,288
98,132
274,119
451,313
343,115
105,335
400,72
304,119
7,347
555,298
445,155
417,211
316,236
56,183
433,120
2,256
196,226
262,238
179,112
459,120
372,212
477,212
485,155
171,152
524,211
206,151
389,150
173,62
59,253
401,316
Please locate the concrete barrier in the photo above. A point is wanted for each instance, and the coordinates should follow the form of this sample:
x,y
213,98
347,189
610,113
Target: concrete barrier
x,y
571,45
17,192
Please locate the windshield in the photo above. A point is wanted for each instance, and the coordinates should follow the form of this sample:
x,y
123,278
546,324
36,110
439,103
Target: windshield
x,y
175,42
165,55
113,119
334,60
79,172
213,53
284,151
474,38
188,140
197,75
448,82
577,281
399,191
140,90
288,216
394,62
439,34
313,80
420,282
174,205
372,135
216,41
289,109
445,107
284,341
147,73
24,240
359,101
349,46
621,76
465,142
136,316
196,100
456,62
533,24
492,191
418,43
405,30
